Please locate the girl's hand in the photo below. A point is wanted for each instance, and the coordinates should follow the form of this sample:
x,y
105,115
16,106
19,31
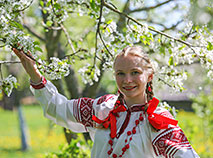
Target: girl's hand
x,y
29,65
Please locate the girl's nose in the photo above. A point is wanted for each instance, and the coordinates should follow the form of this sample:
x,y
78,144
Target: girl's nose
x,y
127,79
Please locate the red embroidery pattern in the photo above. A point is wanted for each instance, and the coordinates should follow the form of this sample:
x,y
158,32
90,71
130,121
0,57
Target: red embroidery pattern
x,y
169,142
76,109
104,98
83,111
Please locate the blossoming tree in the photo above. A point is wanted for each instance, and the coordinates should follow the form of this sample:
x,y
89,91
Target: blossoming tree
x,y
110,26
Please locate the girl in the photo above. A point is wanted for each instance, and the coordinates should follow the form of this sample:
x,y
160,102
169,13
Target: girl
x,y
128,125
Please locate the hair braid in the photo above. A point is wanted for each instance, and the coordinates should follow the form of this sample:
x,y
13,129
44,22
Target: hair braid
x,y
120,97
149,91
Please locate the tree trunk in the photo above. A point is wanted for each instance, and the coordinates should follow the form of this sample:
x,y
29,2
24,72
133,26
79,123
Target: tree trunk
x,y
23,130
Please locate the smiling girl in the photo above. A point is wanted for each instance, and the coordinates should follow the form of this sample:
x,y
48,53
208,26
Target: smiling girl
x,y
128,125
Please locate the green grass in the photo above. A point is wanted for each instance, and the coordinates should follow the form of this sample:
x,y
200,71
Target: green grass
x,y
43,136
44,139
193,128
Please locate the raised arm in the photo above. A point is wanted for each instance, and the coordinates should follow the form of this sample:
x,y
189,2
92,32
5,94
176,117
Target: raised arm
x,y
75,114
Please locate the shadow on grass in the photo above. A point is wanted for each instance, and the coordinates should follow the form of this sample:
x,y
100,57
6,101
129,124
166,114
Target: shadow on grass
x,y
12,150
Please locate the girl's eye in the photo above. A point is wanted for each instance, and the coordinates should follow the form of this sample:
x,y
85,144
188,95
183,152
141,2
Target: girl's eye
x,y
135,72
120,73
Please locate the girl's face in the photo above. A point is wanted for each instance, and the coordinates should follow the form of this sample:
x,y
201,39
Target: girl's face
x,y
131,78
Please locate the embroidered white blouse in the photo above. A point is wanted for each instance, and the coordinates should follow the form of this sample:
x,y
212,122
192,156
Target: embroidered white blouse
x,y
76,114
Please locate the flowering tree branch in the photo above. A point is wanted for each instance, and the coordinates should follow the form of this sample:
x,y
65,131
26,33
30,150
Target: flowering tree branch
x,y
149,8
23,9
150,28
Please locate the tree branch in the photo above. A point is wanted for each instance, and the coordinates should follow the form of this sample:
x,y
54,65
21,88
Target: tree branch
x,y
98,30
165,28
33,33
9,62
105,45
150,28
1,74
164,82
68,37
149,8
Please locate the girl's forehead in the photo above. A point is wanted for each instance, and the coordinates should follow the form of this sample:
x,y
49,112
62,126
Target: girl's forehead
x,y
128,62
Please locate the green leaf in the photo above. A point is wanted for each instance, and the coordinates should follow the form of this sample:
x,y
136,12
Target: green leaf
x,y
162,50
57,6
182,47
48,3
36,43
44,11
93,5
42,3
170,51
16,24
209,46
49,23
38,49
171,61
108,22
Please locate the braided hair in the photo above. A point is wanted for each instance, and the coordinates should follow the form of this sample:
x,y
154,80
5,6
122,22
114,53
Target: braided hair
x,y
146,64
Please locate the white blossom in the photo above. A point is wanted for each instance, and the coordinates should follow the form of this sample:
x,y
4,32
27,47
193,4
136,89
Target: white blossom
x,y
89,74
8,84
56,69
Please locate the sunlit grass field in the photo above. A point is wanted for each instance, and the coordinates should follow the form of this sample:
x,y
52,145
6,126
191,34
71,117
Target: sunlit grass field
x,y
45,138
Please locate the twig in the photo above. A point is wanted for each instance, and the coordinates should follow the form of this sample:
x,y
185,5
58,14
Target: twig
x,y
68,37
33,33
71,2
164,82
1,73
105,45
51,27
9,62
149,8
81,49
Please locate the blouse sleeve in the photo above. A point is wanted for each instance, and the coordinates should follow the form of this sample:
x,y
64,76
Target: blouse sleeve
x,y
75,114
171,142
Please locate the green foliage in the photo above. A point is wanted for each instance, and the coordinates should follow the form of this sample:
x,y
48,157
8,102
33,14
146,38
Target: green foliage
x,y
203,106
78,148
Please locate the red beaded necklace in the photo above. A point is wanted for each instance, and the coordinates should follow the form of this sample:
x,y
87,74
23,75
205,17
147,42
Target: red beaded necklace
x,y
129,133
127,141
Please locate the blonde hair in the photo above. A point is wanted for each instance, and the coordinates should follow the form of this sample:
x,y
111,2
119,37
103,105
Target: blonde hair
x,y
146,64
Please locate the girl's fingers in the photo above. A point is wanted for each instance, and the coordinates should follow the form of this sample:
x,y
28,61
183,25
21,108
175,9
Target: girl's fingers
x,y
17,52
20,54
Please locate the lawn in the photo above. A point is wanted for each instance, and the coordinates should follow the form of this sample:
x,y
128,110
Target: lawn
x,y
45,137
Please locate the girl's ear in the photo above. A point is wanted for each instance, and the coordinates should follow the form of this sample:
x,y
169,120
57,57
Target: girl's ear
x,y
150,77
